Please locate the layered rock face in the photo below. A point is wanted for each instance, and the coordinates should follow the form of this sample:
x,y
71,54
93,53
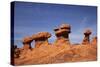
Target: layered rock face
x,y
58,52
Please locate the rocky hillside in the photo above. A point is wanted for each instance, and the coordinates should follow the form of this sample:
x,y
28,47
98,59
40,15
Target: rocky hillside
x,y
58,52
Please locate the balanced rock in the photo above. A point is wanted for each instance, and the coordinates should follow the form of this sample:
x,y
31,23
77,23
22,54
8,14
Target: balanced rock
x,y
86,39
41,38
27,42
62,33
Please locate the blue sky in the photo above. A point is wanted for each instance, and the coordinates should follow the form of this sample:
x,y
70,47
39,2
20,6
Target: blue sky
x,y
30,18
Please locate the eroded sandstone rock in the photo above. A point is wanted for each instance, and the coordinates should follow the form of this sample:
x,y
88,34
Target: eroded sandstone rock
x,y
94,41
41,38
16,52
62,33
86,39
27,42
45,53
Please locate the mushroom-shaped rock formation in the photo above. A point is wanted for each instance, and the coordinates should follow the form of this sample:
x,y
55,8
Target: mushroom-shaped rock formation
x,y
62,33
41,38
86,39
27,42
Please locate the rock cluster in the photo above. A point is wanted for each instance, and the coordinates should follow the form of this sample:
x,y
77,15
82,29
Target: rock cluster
x,y
60,51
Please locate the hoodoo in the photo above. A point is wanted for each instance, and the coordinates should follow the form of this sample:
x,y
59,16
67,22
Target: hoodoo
x,y
27,42
41,38
86,39
62,33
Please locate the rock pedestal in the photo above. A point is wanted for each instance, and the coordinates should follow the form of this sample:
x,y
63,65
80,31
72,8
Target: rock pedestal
x,y
86,39
27,42
41,38
62,33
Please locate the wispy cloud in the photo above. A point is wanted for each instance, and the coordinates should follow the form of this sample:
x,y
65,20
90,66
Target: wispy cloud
x,y
84,20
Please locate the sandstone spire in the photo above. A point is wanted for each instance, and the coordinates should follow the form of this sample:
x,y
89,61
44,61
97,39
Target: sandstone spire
x,y
86,39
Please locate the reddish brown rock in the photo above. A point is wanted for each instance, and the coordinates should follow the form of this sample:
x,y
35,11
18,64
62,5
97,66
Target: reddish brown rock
x,y
45,53
94,41
84,53
27,42
62,33
41,38
86,39
16,52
